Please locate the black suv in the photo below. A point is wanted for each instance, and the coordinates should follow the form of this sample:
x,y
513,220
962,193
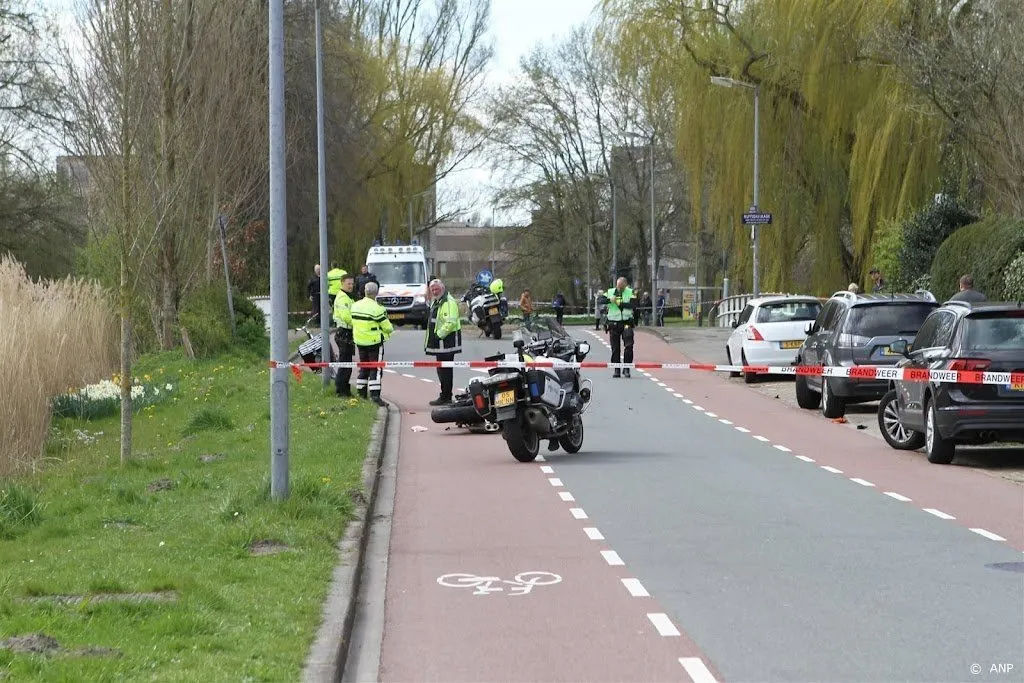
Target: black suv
x,y
856,329
960,336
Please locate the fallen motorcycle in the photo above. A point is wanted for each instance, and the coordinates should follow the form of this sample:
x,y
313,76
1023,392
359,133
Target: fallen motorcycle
x,y
537,403
309,350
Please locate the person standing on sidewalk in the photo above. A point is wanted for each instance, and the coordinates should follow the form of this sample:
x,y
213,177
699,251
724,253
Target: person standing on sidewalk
x,y
526,306
620,324
370,329
444,337
343,335
558,304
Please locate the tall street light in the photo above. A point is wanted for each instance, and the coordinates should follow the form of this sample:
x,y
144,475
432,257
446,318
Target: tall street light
x,y
754,229
321,161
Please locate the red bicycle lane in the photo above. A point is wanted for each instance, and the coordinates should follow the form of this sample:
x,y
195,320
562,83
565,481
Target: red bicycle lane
x,y
989,506
464,506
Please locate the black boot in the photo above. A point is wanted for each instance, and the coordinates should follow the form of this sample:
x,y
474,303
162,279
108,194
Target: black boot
x,y
361,392
625,373
616,373
441,400
375,397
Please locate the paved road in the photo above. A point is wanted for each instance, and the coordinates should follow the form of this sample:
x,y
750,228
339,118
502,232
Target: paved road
x,y
705,532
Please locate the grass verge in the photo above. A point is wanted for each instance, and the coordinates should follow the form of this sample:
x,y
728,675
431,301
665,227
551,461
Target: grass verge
x,y
155,559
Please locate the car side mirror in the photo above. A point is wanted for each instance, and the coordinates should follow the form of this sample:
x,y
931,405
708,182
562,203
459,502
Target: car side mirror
x,y
582,349
901,347
735,324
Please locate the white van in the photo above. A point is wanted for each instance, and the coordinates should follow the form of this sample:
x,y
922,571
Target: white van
x,y
402,274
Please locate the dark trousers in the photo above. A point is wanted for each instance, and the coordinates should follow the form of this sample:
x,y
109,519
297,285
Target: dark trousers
x,y
559,312
446,376
346,350
369,378
615,330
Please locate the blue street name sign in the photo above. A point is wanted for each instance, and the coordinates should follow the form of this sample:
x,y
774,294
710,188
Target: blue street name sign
x,y
757,219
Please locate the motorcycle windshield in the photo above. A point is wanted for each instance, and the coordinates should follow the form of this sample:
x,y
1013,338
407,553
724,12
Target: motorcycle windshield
x,y
545,327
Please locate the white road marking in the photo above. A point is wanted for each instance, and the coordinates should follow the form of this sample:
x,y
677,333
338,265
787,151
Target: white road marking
x,y
781,448
761,438
743,429
546,469
725,422
938,513
663,624
612,558
710,414
635,588
389,370
687,401
593,534
424,379
677,395
897,496
565,495
988,534
862,482
540,458
578,513
670,390
829,468
662,384
700,408
408,375
697,670
555,481
805,458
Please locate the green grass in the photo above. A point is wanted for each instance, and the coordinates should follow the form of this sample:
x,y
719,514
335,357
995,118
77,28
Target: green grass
x,y
169,521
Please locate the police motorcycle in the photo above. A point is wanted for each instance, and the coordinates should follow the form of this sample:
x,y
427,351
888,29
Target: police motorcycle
x,y
309,350
485,310
536,403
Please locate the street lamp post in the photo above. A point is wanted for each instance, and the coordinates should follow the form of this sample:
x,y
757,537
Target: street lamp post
x,y
754,229
321,160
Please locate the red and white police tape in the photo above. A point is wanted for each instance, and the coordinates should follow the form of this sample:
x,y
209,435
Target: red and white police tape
x,y
857,372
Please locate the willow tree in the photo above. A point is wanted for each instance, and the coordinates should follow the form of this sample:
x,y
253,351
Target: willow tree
x,y
845,141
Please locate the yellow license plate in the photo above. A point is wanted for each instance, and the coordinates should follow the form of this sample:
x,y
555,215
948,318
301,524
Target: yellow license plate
x,y
1017,386
792,344
396,316
889,352
492,311
505,398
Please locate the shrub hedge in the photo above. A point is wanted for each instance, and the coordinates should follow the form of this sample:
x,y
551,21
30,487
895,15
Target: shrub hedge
x,y
925,232
986,250
205,316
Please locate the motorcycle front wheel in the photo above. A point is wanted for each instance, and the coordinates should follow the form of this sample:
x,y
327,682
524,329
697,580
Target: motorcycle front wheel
x,y
523,443
572,442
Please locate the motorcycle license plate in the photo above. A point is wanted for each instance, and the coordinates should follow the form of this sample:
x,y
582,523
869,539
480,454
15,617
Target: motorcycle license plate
x,y
791,344
505,398
492,311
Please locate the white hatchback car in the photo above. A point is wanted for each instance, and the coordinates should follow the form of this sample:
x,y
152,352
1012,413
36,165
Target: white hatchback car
x,y
770,330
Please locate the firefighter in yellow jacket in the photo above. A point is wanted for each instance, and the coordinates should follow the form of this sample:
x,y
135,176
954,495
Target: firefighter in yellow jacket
x,y
370,329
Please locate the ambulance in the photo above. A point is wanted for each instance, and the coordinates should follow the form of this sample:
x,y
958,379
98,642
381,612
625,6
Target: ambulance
x,y
402,273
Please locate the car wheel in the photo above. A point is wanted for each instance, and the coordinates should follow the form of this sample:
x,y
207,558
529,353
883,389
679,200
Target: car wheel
x,y
728,356
832,406
940,451
748,377
894,433
806,398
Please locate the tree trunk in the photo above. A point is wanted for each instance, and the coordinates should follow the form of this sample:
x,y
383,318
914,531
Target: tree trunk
x,y
126,354
168,251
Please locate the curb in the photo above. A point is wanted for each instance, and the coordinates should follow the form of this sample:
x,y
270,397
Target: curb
x,y
328,653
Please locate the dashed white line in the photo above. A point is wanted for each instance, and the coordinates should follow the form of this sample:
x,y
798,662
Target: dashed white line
x,y
988,534
405,374
677,395
540,458
804,458
897,496
566,496
761,438
663,624
700,408
635,588
546,469
725,422
710,414
743,430
578,513
662,384
829,468
555,481
687,401
389,370
862,482
424,379
612,558
697,670
938,513
781,448
593,534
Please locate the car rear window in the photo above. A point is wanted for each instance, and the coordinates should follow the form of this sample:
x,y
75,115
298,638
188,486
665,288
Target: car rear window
x,y
888,319
996,330
788,311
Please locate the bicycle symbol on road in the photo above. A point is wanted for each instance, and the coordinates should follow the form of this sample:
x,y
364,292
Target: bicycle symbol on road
x,y
522,584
